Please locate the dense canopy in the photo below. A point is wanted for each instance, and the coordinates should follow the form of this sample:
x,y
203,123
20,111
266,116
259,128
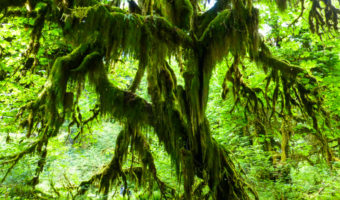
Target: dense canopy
x,y
177,44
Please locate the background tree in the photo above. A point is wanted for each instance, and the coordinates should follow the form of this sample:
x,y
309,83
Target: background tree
x,y
153,33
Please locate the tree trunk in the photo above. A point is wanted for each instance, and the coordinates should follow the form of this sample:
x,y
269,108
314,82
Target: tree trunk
x,y
285,132
184,129
177,113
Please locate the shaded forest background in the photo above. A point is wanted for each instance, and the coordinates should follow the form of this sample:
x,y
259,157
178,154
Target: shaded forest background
x,y
286,159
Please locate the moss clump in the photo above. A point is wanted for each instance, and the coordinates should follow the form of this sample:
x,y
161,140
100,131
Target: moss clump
x,y
178,12
114,32
231,31
182,13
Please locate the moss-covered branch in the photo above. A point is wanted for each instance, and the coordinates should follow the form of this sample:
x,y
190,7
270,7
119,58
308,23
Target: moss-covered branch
x,y
36,33
210,14
119,30
14,159
234,31
176,114
113,172
307,96
50,106
317,20
253,103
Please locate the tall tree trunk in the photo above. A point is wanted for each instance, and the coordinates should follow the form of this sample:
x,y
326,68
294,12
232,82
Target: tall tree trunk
x,y
184,129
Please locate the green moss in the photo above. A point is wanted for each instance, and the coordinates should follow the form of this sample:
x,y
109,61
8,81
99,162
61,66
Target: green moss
x,y
36,33
178,12
291,76
231,31
147,6
117,31
188,174
183,12
176,114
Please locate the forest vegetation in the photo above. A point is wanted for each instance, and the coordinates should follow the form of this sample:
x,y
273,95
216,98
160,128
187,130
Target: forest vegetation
x,y
169,99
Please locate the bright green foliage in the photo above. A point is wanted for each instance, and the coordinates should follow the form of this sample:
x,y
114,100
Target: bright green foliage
x,y
91,58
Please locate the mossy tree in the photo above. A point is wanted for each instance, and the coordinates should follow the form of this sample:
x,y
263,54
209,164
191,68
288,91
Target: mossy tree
x,y
153,33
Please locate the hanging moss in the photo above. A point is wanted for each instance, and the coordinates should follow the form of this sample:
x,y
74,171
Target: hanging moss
x,y
178,12
117,30
177,114
292,76
144,151
113,172
36,33
183,12
232,31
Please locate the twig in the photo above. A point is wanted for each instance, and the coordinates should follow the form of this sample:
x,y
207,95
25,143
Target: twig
x,y
301,13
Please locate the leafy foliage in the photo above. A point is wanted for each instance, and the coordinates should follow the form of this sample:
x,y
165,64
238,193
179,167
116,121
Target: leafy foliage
x,y
155,70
